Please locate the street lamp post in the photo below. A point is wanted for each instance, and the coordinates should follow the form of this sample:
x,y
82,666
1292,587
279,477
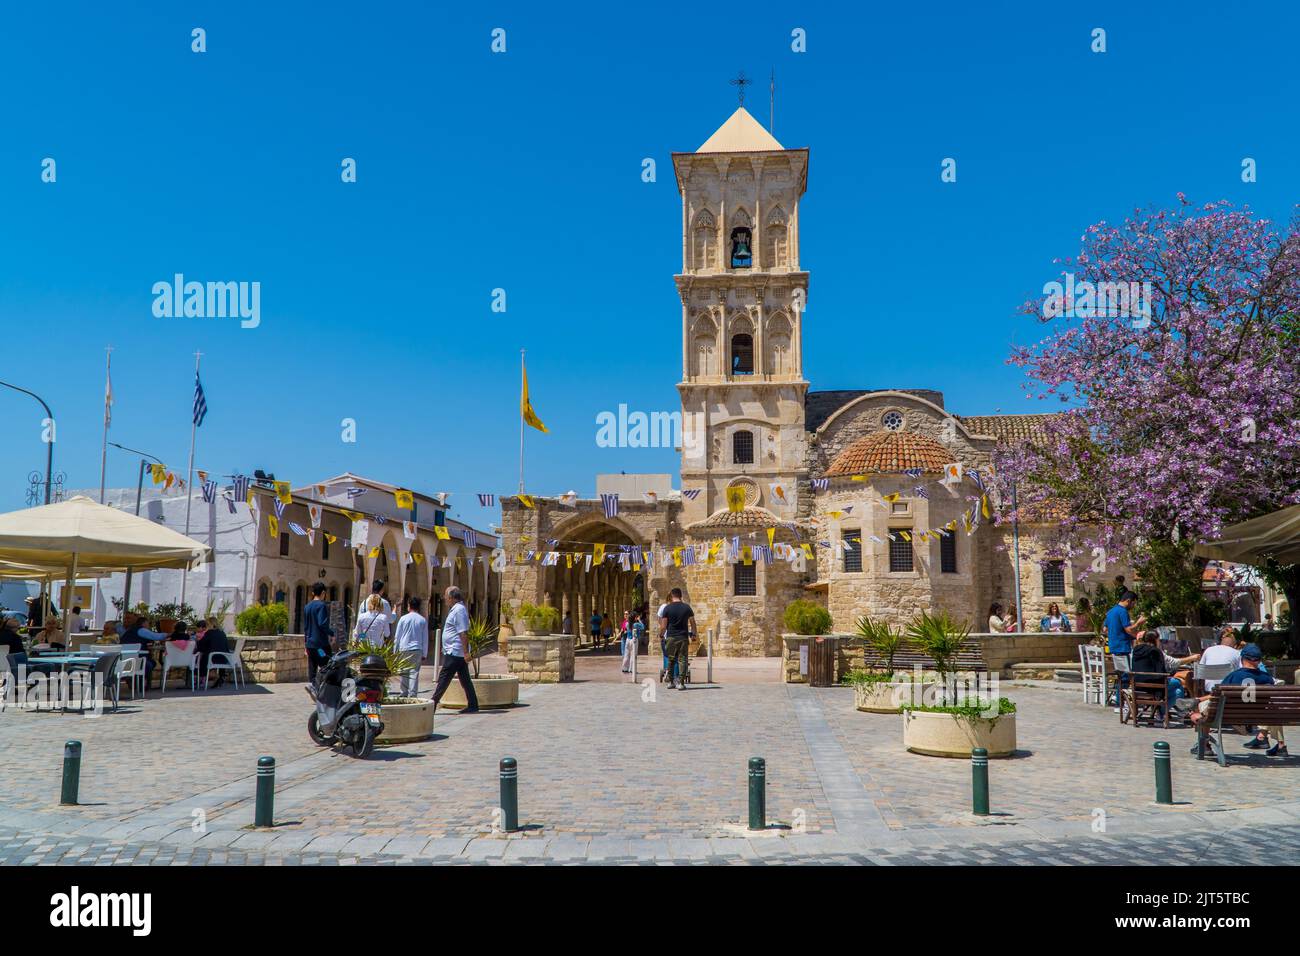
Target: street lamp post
x,y
49,445
139,494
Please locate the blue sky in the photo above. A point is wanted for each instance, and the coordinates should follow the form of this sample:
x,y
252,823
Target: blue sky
x,y
522,170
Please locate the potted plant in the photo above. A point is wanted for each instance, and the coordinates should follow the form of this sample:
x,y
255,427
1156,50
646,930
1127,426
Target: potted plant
x,y
882,689
262,620
539,619
492,690
405,719
940,637
807,618
955,729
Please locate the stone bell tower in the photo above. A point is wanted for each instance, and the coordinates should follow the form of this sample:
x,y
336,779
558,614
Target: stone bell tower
x,y
743,296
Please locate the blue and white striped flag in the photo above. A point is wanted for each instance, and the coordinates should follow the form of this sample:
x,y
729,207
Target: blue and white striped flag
x,y
200,403
487,501
380,519
241,488
690,494
355,492
913,472
230,503
279,508
471,538
821,484
209,491
921,491
609,501
296,528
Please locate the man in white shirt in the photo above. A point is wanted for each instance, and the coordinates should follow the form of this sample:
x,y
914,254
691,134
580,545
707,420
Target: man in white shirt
x,y
77,623
1225,652
378,588
455,649
412,641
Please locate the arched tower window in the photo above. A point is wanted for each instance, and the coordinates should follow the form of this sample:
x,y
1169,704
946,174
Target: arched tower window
x,y
778,337
704,254
742,447
742,354
704,341
776,237
742,245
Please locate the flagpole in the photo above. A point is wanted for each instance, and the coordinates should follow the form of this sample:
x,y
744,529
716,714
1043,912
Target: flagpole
x,y
521,422
103,452
189,478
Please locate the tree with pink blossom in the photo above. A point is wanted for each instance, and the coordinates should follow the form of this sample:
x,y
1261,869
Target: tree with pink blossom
x,y
1173,352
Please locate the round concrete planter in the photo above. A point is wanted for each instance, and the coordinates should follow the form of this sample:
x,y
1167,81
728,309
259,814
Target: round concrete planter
x,y
888,698
492,690
406,719
950,735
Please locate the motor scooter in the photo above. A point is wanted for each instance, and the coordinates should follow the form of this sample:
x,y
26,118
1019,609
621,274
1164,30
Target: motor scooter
x,y
347,706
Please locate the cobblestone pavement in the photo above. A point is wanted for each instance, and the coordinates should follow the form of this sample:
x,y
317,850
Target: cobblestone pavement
x,y
617,772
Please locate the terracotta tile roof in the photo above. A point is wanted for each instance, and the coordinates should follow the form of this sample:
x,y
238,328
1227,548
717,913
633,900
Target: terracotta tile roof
x,y
889,453
750,517
1008,428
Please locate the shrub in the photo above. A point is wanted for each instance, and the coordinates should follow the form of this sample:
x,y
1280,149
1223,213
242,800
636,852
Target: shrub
x,y
262,620
807,618
480,637
883,639
939,636
540,617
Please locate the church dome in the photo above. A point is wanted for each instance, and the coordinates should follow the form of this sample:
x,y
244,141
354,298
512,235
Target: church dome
x,y
890,452
749,517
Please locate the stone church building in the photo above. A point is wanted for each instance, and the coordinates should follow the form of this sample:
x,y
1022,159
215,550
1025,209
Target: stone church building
x,y
849,480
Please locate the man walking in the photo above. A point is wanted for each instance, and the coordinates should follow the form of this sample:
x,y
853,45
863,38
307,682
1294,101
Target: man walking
x,y
412,642
455,647
316,631
677,621
378,588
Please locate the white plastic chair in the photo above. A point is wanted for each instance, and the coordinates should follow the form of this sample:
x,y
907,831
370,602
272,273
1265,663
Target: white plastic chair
x,y
1093,659
226,661
188,659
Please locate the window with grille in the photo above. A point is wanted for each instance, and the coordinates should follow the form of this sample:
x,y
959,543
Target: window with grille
x,y
1054,579
900,550
325,550
852,539
948,554
742,447
746,580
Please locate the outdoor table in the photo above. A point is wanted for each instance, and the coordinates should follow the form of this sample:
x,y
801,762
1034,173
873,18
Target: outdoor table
x,y
64,660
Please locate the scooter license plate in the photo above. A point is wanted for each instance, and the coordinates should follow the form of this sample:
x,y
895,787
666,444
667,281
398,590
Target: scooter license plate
x,y
371,712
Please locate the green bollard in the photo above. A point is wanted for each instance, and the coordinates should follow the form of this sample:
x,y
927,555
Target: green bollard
x,y
757,793
1164,773
510,793
979,779
265,808
71,773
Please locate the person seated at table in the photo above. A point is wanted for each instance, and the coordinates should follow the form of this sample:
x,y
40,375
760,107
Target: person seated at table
x,y
52,635
11,638
1055,620
1148,658
180,636
211,639
1249,672
137,635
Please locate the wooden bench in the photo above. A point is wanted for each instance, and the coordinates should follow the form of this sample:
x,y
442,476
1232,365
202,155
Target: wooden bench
x,y
1248,705
969,658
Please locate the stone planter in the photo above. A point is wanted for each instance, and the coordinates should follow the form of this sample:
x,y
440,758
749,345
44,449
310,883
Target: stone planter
x,y
950,735
492,690
888,698
406,719
541,660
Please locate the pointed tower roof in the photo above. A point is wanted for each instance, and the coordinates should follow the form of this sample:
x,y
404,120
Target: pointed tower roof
x,y
741,133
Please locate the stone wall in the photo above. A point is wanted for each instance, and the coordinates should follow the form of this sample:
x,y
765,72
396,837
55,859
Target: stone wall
x,y
540,659
1002,650
273,660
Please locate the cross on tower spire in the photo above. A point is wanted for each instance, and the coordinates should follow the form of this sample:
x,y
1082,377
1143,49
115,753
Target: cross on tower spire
x,y
741,81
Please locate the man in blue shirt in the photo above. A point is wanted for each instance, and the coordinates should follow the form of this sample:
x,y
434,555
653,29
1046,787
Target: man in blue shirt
x,y
1250,672
1120,629
316,631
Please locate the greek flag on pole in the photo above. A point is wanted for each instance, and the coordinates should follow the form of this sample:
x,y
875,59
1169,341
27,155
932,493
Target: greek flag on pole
x,y
209,491
279,508
241,488
230,503
471,538
609,501
200,403
487,501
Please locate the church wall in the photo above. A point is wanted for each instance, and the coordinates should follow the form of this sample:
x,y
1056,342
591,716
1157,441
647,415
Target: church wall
x,y
1035,542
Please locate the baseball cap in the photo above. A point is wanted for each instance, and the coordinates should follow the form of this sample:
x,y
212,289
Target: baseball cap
x,y
1252,652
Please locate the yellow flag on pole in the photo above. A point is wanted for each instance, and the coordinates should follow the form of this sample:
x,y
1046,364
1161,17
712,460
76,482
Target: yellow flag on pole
x,y
736,498
525,406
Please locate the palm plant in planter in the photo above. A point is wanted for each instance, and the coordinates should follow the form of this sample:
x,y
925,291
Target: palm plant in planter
x,y
941,637
396,661
480,637
886,641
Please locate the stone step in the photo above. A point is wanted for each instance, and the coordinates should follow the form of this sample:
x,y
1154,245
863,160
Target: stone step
x,y
1053,671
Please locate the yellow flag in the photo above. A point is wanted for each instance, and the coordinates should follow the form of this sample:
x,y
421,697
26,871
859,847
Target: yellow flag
x,y
273,524
807,549
405,499
527,501
158,473
771,536
419,557
858,478
984,506
353,515
525,406
374,552
330,537
907,535
597,554
441,532
747,554
677,557
736,498
282,492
